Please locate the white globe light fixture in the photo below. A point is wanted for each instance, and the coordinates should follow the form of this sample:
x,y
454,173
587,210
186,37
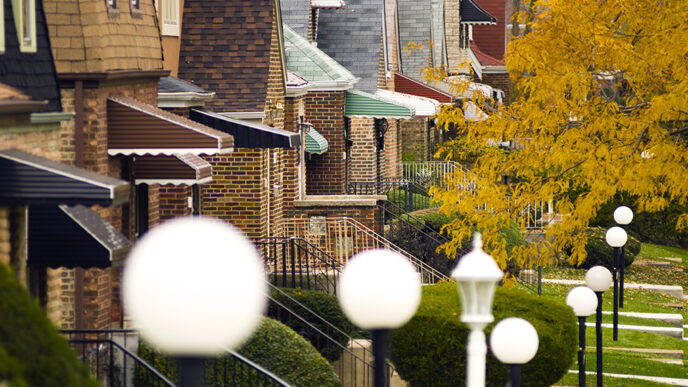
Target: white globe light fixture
x,y
616,236
194,286
584,302
379,290
514,341
477,275
623,215
598,278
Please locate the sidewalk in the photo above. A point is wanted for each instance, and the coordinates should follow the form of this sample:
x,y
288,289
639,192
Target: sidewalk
x,y
672,290
657,379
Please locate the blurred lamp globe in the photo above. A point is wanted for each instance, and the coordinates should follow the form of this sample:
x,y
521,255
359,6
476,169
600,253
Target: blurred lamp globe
x,y
514,341
194,286
616,236
598,278
623,215
379,289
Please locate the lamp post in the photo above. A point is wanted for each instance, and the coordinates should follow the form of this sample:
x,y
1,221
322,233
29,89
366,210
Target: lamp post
x,y
616,237
194,286
584,302
599,279
514,341
622,216
379,290
477,276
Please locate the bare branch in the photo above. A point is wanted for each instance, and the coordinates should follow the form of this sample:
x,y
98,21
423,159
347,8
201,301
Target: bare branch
x,y
562,173
678,131
640,137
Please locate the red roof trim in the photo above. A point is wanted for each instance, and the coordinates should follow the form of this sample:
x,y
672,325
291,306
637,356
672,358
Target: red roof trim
x,y
483,58
405,84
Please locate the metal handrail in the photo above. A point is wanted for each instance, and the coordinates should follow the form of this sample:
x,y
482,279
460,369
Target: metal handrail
x,y
257,367
426,231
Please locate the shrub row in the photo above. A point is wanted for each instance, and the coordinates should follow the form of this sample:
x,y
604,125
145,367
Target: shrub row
x,y
430,350
600,253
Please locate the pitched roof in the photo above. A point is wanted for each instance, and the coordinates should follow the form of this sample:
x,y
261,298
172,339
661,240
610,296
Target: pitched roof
x,y
309,62
14,101
492,38
226,49
471,13
172,84
351,36
86,37
295,14
415,17
483,58
31,73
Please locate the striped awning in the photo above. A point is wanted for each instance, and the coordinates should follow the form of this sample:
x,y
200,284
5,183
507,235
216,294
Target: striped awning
x,y
177,169
315,142
361,104
423,107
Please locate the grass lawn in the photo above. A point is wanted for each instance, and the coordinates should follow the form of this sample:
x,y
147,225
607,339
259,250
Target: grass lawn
x,y
626,362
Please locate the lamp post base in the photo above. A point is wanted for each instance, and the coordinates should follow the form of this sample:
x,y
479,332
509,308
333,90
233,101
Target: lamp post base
x,y
477,350
191,370
598,338
380,348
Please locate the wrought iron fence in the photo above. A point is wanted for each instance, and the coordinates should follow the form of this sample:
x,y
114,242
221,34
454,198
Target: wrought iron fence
x,y
343,237
112,356
406,194
428,173
294,262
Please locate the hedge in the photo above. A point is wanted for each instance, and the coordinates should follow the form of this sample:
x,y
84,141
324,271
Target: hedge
x,y
273,346
600,253
32,351
323,304
430,350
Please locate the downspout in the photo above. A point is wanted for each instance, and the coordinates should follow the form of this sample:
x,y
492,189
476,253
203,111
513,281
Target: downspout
x,y
267,188
79,161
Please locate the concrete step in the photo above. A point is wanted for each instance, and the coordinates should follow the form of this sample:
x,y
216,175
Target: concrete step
x,y
660,264
671,290
656,379
671,318
672,332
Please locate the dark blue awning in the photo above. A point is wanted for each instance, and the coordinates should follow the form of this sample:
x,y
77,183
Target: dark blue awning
x,y
64,236
247,134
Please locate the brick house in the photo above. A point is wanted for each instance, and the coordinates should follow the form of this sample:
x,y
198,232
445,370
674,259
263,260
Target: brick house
x,y
43,204
108,60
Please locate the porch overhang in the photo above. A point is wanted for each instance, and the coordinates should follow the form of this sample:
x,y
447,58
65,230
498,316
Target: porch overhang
x,y
361,104
408,85
176,169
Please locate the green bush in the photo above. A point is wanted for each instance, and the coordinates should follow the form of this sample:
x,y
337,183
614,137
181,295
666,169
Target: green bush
x,y
430,350
282,351
323,304
600,253
32,351
273,346
657,227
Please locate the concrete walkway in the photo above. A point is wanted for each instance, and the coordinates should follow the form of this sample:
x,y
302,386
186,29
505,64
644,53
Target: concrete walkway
x,y
657,379
672,290
672,332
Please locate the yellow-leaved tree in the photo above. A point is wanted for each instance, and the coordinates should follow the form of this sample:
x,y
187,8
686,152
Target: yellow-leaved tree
x,y
601,108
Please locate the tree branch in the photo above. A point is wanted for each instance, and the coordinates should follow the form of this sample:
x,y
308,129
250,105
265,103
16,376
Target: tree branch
x,y
575,165
640,137
678,131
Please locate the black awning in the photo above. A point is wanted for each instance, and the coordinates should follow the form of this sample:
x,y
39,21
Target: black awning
x,y
471,13
247,134
29,179
64,236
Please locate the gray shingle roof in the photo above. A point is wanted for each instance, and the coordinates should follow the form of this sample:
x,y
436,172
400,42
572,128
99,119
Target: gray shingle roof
x,y
172,84
351,36
295,14
415,17
306,60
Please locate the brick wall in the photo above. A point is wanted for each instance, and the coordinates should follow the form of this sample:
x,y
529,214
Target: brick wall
x,y
325,174
415,141
276,86
174,201
363,162
452,28
392,151
237,193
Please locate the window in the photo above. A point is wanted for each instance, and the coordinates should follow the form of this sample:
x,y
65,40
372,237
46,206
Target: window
x,y
25,23
111,3
135,4
170,17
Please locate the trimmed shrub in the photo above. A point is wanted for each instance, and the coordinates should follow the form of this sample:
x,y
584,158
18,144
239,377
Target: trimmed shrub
x,y
273,346
430,350
600,253
282,351
32,351
323,304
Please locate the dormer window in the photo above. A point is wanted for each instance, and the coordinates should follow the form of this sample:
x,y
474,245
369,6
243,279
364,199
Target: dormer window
x,y
170,17
25,23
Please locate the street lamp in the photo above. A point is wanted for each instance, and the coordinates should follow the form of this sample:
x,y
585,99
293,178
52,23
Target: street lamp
x,y
379,290
514,341
599,279
194,286
584,302
616,237
477,275
622,216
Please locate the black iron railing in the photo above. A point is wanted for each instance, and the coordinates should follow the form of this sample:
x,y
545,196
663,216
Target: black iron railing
x,y
406,194
119,358
294,262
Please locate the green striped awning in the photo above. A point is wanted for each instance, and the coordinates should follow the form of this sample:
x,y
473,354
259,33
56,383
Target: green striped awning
x,y
362,104
315,142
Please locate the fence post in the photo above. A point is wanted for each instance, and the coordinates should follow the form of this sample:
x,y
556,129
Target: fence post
x,y
293,266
